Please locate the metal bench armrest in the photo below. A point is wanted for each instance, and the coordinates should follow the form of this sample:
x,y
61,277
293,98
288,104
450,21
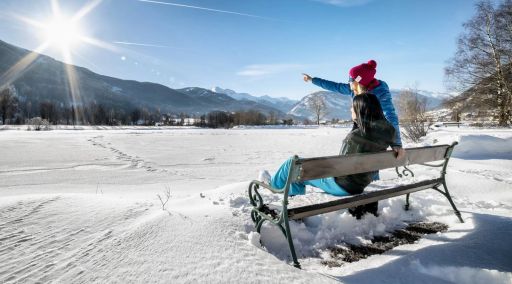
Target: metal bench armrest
x,y
262,184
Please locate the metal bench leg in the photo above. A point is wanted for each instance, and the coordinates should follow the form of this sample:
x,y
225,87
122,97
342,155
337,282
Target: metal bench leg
x,y
293,172
447,194
443,174
407,202
290,242
259,224
287,233
282,222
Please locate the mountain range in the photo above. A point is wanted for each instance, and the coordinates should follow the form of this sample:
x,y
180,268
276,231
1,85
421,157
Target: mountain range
x,y
282,104
338,106
46,79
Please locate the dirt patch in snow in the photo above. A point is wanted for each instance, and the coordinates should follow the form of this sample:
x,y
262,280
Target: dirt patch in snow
x,y
380,244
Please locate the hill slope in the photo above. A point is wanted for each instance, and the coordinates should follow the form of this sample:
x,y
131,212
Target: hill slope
x,y
46,79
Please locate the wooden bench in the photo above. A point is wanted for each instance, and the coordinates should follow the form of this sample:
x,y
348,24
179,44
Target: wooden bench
x,y
314,168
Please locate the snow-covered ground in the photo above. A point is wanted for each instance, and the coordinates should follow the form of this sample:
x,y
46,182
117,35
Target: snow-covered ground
x,y
81,205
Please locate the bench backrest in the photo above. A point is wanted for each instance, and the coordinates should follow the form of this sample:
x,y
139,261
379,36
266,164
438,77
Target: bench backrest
x,y
314,168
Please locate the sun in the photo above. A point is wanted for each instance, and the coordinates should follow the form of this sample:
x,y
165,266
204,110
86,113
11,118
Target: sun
x,y
62,32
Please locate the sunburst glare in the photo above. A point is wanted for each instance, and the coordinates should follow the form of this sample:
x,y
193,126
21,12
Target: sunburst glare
x,y
62,32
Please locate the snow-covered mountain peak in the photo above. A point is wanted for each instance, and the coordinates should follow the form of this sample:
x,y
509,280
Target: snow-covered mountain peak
x,y
282,104
337,106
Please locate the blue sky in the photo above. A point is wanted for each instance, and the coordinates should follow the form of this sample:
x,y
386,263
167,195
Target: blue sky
x,y
255,46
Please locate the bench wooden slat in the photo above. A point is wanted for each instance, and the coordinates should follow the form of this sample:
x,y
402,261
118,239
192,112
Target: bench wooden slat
x,y
360,199
314,168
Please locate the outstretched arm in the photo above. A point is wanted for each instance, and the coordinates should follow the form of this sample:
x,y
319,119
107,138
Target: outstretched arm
x,y
329,85
341,88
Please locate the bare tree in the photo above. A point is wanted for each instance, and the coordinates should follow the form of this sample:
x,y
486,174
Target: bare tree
x,y
504,23
182,119
165,198
413,118
504,18
111,119
482,61
48,111
38,124
28,109
272,118
8,104
317,105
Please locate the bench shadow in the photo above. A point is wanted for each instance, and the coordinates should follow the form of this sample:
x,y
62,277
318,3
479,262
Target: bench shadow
x,y
486,246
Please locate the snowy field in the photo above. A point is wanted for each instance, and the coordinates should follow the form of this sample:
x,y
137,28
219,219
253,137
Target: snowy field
x,y
80,206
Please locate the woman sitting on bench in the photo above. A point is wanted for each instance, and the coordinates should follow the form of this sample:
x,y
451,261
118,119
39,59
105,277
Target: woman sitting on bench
x,y
375,134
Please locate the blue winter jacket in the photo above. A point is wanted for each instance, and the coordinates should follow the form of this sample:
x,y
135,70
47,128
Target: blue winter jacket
x,y
381,92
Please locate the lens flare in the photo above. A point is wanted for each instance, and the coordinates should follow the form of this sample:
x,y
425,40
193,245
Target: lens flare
x,y
62,32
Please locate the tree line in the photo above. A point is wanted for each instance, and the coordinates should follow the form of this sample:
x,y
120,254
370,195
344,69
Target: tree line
x,y
14,111
222,119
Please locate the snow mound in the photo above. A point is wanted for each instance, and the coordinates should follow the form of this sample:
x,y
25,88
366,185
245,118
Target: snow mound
x,y
463,274
318,233
254,239
481,147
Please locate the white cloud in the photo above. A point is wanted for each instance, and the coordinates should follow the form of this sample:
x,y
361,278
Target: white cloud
x,y
345,3
260,70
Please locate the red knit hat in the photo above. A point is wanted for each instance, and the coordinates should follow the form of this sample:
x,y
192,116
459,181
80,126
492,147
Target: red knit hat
x,y
365,74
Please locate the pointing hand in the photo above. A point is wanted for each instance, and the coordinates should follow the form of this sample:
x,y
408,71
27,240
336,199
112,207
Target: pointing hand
x,y
307,78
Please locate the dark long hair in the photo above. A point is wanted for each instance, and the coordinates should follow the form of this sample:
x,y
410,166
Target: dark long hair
x,y
368,109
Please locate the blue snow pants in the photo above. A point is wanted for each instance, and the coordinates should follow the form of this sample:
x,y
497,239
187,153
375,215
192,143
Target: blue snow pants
x,y
299,188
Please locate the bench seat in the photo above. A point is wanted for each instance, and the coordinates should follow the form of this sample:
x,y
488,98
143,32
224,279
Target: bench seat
x,y
359,199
